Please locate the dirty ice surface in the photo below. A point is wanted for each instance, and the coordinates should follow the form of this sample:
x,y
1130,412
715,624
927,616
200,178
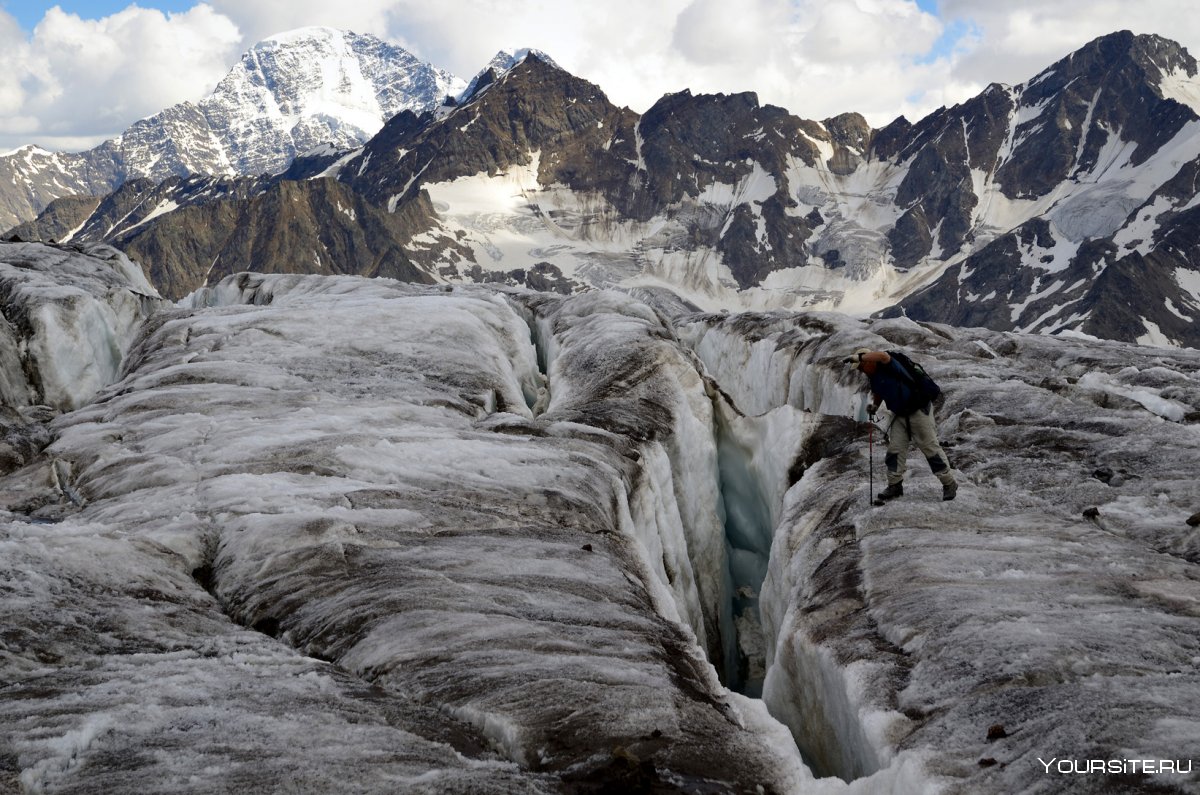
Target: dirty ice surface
x,y
334,534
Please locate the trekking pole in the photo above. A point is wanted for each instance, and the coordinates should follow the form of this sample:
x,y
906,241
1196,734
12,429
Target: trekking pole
x,y
871,470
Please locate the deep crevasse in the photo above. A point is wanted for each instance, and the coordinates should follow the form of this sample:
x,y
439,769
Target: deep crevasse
x,y
750,462
779,371
710,495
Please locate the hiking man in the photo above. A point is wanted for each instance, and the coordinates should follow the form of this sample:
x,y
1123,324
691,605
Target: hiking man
x,y
908,393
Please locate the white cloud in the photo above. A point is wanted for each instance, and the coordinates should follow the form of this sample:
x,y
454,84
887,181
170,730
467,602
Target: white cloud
x,y
1019,38
262,18
714,32
856,32
76,81
815,57
74,78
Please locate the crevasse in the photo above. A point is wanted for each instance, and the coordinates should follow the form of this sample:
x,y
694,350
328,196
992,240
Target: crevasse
x,y
773,372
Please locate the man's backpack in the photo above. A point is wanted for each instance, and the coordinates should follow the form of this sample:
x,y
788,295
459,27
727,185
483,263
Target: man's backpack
x,y
922,383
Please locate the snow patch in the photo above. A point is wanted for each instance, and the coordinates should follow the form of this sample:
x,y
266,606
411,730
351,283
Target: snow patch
x,y
1036,293
1181,87
1189,280
1151,400
336,166
1154,336
1138,234
756,187
1174,310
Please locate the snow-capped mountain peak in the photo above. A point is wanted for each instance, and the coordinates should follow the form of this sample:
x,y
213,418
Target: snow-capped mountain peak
x,y
314,85
508,58
301,35
502,62
288,93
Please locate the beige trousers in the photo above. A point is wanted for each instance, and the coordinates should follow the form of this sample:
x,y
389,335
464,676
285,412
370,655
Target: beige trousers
x,y
917,427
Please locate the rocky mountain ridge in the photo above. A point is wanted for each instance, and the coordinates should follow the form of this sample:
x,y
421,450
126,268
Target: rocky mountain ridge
x,y
1063,204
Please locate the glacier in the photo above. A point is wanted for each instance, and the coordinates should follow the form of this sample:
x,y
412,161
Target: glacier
x,y
327,533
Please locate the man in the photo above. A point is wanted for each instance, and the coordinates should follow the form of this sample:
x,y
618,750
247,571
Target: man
x,y
901,391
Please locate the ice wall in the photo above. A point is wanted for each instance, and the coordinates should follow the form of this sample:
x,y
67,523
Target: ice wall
x,y
757,464
69,316
615,365
767,360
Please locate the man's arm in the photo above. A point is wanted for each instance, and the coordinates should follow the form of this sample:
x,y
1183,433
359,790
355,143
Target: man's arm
x,y
878,357
873,405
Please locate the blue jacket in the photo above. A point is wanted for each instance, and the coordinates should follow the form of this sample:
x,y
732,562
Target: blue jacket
x,y
894,385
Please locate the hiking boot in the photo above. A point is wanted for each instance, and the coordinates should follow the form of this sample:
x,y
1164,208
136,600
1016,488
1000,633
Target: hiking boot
x,y
891,492
949,490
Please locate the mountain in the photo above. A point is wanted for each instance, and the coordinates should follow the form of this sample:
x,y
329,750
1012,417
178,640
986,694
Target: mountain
x,y
289,94
501,62
392,537
31,177
1094,226
1064,204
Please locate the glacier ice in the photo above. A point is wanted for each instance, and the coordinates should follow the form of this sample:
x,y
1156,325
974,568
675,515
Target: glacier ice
x,y
67,320
351,469
335,533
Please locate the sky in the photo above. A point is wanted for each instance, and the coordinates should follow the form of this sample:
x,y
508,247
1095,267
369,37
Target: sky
x,y
73,74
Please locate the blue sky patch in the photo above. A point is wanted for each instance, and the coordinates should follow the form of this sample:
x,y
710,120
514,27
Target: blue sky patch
x,y
28,14
953,33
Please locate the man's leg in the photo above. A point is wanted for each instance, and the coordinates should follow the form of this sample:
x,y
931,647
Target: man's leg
x,y
924,433
897,457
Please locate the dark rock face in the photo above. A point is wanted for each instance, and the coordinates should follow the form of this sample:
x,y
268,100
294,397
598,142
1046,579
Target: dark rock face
x,y
60,218
119,210
1137,289
1105,289
1099,293
691,143
219,226
536,107
911,237
1107,86
851,136
318,226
